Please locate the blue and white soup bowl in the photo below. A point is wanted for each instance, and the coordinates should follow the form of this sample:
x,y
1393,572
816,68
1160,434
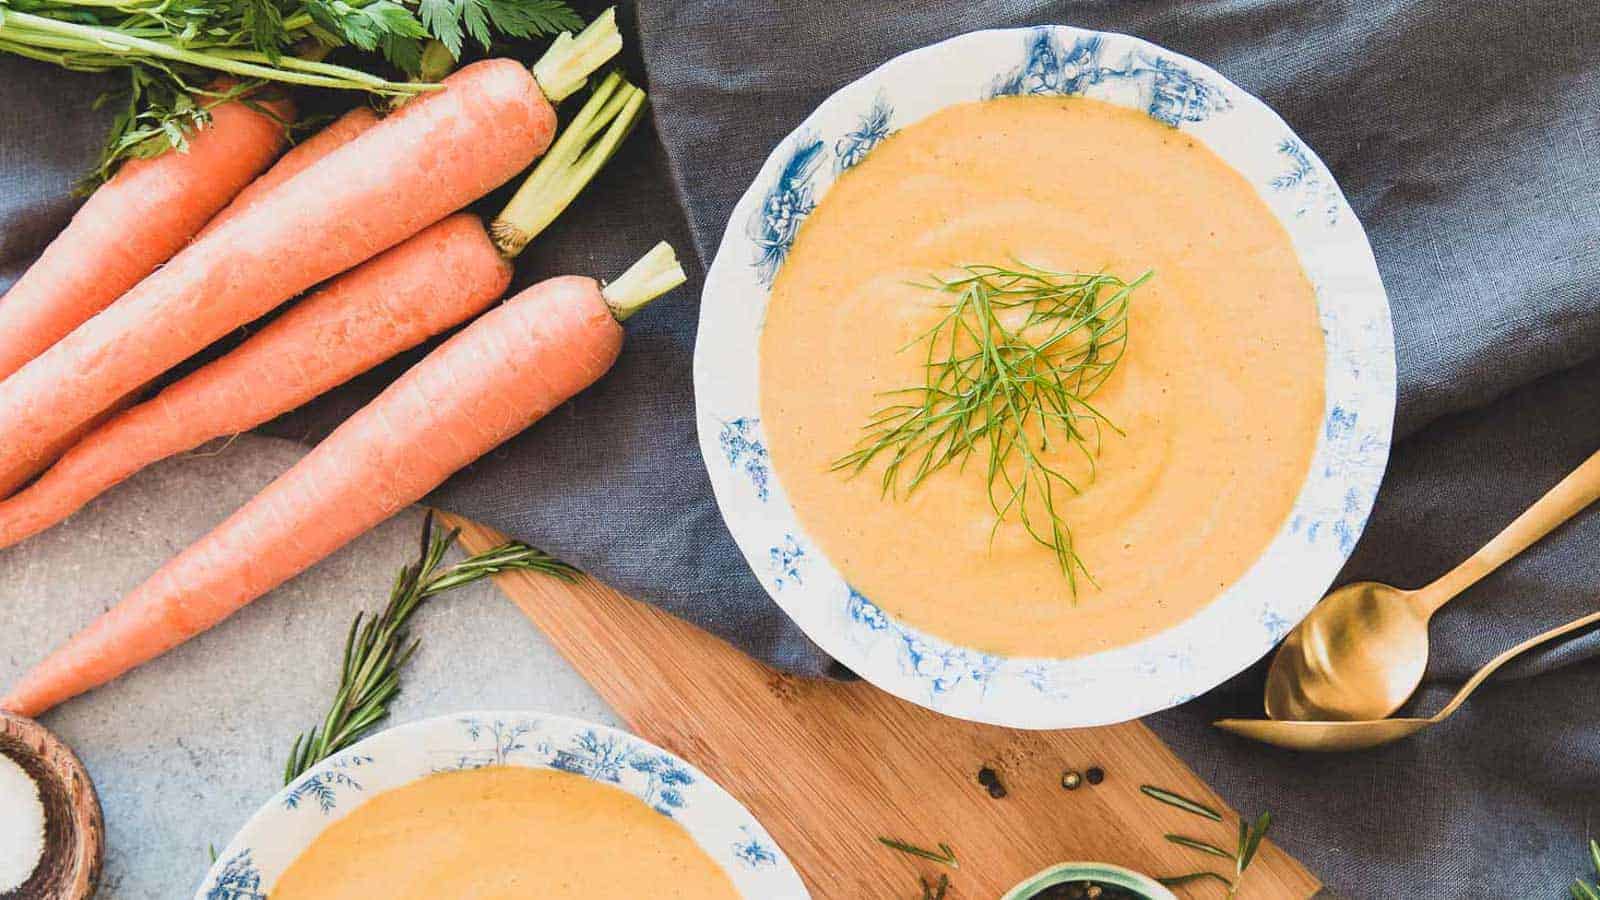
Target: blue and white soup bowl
x,y
282,829
1253,614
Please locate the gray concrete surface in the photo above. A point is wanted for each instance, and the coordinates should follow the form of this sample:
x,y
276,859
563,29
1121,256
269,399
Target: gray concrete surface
x,y
184,749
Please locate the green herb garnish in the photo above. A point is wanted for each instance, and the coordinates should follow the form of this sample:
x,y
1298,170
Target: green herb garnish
x,y
935,890
1584,890
945,855
1010,368
376,648
1183,803
1250,838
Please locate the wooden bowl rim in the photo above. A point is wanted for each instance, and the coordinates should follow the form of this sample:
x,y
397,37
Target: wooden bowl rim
x,y
26,741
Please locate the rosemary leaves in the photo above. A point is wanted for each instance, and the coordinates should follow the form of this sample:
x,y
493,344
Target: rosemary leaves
x,y
1009,371
1244,853
377,648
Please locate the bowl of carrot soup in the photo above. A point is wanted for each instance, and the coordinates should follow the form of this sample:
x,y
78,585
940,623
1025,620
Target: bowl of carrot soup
x,y
1044,377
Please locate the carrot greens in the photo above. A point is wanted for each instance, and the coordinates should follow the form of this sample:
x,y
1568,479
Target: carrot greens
x,y
173,51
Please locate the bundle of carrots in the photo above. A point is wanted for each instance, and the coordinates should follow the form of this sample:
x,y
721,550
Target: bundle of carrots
x,y
371,199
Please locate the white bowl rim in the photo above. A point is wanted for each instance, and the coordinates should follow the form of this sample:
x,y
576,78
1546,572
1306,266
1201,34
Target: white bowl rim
x,y
1181,672
768,874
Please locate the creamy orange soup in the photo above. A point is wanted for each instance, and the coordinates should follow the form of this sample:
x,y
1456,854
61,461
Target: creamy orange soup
x,y
503,832
1220,391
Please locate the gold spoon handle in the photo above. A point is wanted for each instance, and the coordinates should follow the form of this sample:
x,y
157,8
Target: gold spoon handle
x,y
1483,674
1565,500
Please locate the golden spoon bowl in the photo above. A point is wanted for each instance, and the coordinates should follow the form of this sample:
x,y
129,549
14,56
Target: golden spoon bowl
x,y
1358,656
1340,736
1361,652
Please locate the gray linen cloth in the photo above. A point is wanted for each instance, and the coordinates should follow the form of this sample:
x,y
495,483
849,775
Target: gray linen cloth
x,y
1468,139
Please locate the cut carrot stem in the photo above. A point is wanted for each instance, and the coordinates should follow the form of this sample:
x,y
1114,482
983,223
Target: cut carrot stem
x,y
583,148
571,60
502,373
656,273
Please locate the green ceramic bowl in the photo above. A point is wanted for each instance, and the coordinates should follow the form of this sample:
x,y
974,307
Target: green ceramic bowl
x,y
1104,873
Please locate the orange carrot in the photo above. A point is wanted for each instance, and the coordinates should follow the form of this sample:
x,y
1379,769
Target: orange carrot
x,y
339,132
434,156
498,376
133,223
432,282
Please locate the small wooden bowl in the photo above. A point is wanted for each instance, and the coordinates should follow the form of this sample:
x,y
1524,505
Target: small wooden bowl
x,y
74,832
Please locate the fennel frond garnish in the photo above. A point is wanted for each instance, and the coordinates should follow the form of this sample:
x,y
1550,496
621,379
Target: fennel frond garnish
x,y
1010,370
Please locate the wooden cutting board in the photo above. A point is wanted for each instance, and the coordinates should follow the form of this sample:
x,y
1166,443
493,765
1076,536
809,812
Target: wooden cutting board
x,y
829,767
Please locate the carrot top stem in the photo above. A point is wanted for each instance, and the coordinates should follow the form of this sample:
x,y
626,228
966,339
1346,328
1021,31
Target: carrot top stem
x,y
587,143
653,275
20,28
571,60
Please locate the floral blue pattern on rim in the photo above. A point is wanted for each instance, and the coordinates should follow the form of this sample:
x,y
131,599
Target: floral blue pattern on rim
x,y
1306,183
785,559
1168,91
609,758
275,836
874,128
324,784
790,200
743,448
238,880
754,852
1342,478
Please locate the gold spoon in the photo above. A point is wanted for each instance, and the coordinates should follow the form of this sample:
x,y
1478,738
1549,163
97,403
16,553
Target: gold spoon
x,y
1335,736
1362,651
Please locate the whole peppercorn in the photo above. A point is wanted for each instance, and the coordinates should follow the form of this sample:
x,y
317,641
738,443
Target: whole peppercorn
x,y
1095,774
997,790
1070,779
987,777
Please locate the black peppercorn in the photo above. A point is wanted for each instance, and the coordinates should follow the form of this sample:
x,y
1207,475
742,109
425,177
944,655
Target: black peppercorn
x,y
987,777
1095,774
997,790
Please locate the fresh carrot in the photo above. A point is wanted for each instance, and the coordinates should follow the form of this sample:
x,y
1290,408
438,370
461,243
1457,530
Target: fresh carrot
x,y
134,223
339,132
431,282
391,303
435,155
498,376
432,157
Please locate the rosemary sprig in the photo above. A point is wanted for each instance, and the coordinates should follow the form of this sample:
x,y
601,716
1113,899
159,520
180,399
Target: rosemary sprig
x,y
1250,838
1010,369
935,890
1181,802
377,648
945,856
